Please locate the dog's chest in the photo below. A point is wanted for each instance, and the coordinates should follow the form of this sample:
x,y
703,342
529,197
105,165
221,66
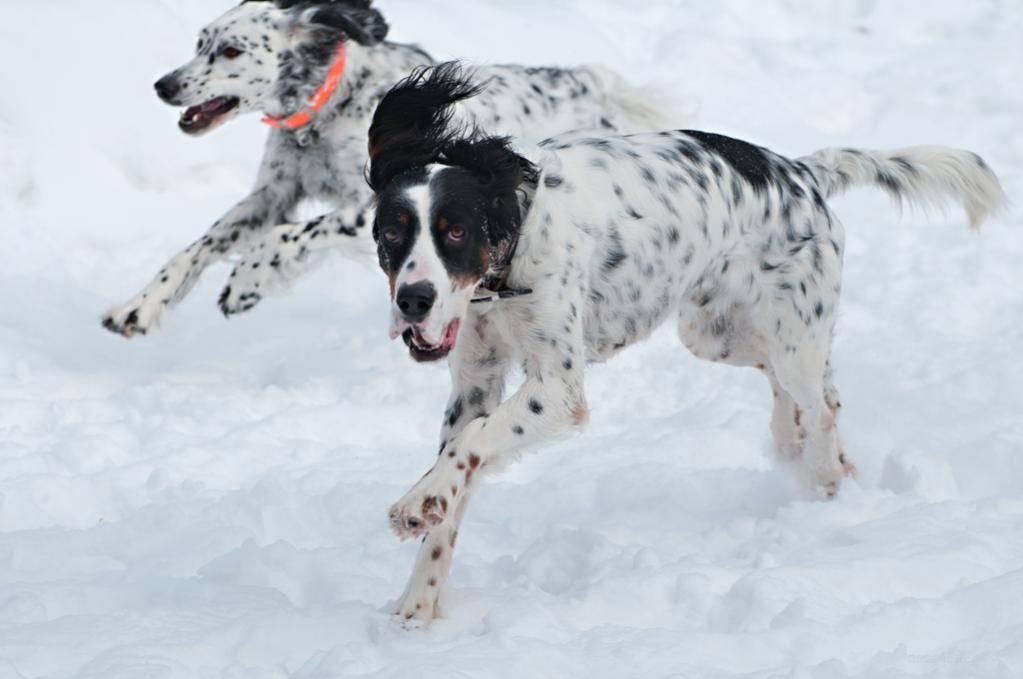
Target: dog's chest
x,y
330,170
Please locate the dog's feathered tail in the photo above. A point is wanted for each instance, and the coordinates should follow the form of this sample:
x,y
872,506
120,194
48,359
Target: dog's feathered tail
x,y
924,176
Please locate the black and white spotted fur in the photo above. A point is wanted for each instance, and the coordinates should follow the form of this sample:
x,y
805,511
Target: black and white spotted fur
x,y
615,236
269,57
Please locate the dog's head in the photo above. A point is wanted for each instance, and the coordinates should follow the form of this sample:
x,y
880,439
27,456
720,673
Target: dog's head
x,y
447,206
267,56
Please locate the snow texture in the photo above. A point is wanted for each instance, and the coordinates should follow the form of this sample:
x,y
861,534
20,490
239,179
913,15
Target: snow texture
x,y
211,501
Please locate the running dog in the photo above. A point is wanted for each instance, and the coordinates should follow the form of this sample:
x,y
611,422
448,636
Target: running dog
x,y
317,69
586,244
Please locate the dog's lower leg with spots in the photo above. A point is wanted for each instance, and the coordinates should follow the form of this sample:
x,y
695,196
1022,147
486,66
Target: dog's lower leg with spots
x,y
420,600
438,502
233,231
539,411
478,369
549,403
801,374
284,253
786,425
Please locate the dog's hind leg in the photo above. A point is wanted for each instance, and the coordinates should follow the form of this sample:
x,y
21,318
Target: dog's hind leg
x,y
284,253
834,402
797,312
727,333
786,420
801,370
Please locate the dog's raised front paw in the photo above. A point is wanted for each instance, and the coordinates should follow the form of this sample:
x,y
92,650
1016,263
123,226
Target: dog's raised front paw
x,y
263,271
424,507
235,300
253,277
137,317
414,516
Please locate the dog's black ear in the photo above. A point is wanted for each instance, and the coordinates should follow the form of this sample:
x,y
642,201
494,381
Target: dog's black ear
x,y
355,19
360,22
501,172
412,124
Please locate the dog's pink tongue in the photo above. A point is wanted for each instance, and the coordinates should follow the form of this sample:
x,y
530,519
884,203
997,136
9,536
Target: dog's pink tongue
x,y
193,114
204,110
214,105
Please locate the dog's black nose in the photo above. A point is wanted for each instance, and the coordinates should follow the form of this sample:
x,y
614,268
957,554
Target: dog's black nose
x,y
167,87
416,300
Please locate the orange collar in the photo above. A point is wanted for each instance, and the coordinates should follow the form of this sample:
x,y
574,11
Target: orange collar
x,y
319,98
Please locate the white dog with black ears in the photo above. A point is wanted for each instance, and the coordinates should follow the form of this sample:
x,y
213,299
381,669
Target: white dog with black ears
x,y
317,69
586,247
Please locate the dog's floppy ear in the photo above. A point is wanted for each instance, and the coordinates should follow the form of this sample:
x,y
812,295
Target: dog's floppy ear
x,y
501,172
360,22
356,19
412,124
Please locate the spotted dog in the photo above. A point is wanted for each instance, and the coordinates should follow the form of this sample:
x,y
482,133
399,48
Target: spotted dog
x,y
317,70
588,243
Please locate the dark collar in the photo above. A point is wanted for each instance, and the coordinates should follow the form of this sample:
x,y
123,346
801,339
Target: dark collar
x,y
494,286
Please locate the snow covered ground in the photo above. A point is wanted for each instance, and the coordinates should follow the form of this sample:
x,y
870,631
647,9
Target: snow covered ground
x,y
210,501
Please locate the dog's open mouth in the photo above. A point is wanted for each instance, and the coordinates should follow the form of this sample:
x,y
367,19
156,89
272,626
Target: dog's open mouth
x,y
422,351
198,119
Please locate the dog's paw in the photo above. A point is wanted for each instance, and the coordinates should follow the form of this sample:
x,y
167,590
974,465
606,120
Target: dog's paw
x,y
423,508
251,279
235,300
415,515
262,272
138,317
826,479
416,610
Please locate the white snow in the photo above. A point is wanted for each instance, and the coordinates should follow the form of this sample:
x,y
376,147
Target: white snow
x,y
210,501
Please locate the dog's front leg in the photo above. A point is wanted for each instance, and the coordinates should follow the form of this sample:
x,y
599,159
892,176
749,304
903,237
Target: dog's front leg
x,y
538,412
266,205
419,603
550,402
285,251
478,370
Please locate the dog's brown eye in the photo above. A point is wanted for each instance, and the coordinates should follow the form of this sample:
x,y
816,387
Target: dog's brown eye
x,y
456,234
230,52
392,235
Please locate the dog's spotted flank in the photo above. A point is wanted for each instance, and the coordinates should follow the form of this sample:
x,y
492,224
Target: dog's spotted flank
x,y
278,58
611,236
